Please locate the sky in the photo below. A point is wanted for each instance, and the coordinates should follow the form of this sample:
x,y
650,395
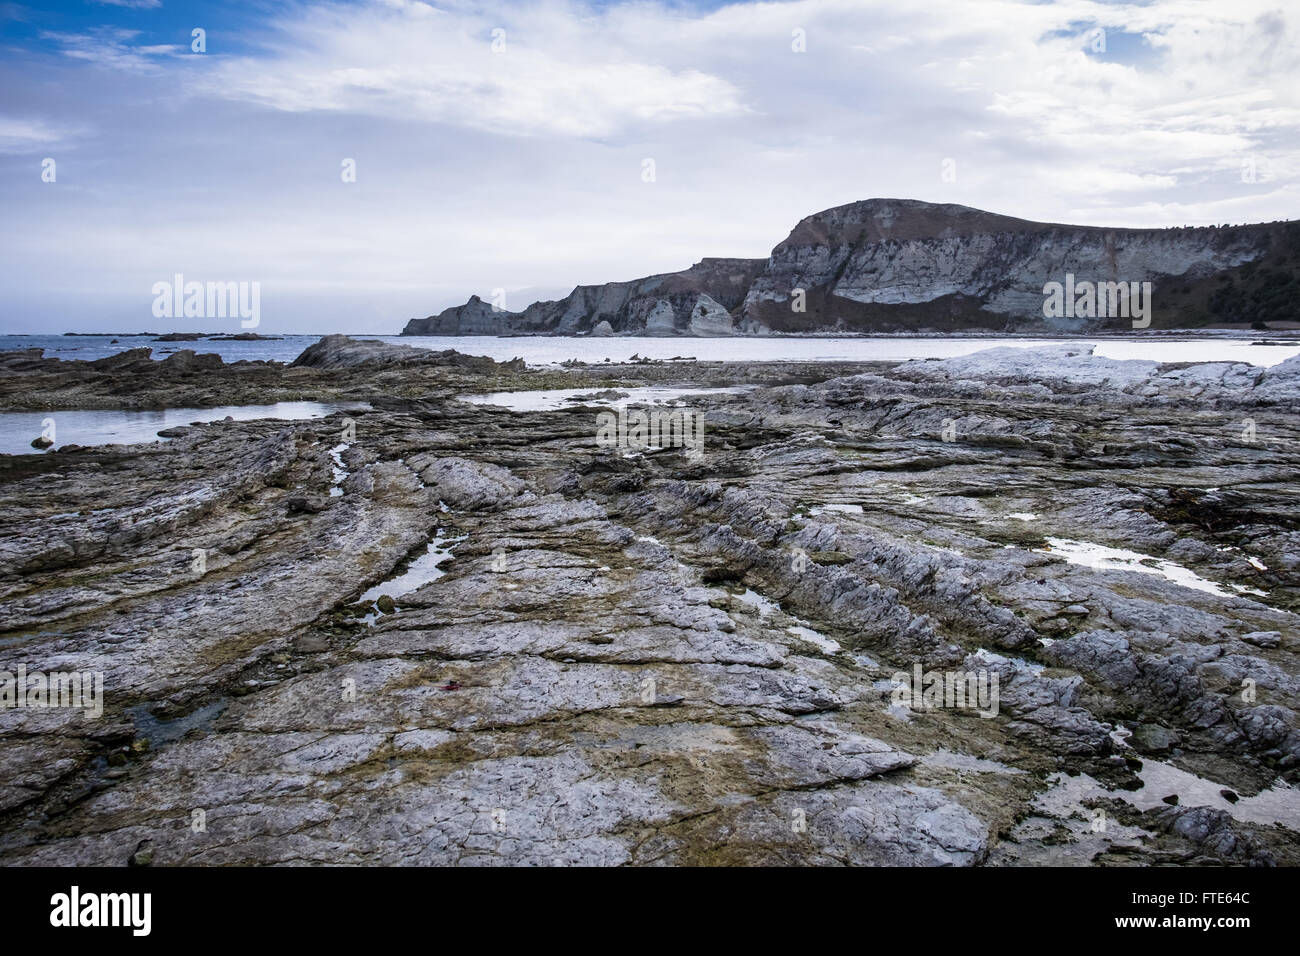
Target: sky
x,y
533,146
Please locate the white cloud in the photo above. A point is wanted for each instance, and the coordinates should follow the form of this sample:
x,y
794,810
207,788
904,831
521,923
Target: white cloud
x,y
113,49
132,4
22,135
527,72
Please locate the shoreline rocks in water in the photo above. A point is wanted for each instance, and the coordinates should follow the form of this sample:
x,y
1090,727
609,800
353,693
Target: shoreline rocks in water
x,y
215,337
340,351
662,658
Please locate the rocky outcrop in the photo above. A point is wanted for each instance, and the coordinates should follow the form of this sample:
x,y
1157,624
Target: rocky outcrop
x,y
698,301
1074,375
340,351
187,360
899,265
475,317
327,368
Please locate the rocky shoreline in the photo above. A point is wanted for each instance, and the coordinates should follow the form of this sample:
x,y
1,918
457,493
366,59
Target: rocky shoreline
x,y
578,654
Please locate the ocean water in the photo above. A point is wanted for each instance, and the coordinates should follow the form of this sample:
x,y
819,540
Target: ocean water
x,y
547,350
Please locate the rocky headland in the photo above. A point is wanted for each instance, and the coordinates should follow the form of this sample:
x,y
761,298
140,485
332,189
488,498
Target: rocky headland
x,y
444,630
903,265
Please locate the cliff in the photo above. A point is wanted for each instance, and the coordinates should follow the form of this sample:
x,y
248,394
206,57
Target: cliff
x,y
903,265
699,301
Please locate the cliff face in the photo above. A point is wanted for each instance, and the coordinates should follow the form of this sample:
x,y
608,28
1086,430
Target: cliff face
x,y
702,300
905,265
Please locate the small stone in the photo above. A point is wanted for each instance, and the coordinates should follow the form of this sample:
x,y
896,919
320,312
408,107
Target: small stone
x,y
1172,799
830,557
385,604
308,504
1076,609
42,442
1263,638
1229,795
1152,738
142,856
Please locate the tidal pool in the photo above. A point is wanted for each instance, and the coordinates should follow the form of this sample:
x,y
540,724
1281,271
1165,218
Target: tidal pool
x,y
120,426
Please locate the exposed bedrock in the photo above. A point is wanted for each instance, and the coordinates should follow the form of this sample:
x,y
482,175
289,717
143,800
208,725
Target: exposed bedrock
x,y
456,633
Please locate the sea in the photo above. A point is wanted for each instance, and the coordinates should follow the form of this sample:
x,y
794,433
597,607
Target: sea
x,y
1260,349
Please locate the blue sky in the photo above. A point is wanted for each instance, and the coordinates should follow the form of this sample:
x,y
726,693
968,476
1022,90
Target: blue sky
x,y
37,27
519,165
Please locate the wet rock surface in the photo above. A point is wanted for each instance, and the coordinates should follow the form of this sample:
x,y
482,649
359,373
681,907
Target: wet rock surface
x,y
578,654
